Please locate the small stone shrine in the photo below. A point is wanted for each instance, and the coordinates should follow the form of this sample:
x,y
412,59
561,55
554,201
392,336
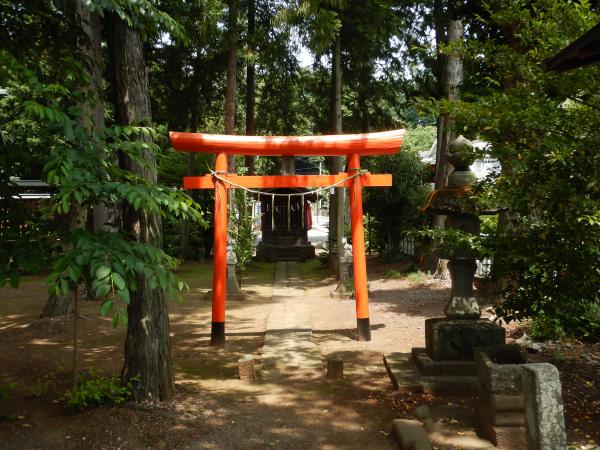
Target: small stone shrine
x,y
285,221
451,340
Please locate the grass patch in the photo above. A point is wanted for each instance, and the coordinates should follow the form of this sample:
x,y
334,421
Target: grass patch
x,y
260,272
312,269
393,274
416,277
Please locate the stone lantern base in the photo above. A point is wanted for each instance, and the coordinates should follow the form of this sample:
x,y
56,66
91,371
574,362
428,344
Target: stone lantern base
x,y
457,339
449,355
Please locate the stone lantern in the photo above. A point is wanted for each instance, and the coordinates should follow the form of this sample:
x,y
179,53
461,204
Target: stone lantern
x,y
456,336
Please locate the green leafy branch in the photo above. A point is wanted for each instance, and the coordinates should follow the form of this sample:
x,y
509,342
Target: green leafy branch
x,y
114,266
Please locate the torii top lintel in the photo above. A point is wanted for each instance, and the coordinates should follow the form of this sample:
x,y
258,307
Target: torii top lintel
x,y
383,143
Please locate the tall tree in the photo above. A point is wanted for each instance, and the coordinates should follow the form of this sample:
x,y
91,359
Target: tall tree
x,y
250,79
147,362
231,69
336,203
449,41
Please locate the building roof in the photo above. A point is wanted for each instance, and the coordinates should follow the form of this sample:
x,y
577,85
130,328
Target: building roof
x,y
584,51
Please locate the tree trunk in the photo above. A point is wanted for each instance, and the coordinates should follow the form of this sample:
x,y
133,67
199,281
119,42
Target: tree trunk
x,y
250,82
336,203
452,78
184,243
231,73
147,364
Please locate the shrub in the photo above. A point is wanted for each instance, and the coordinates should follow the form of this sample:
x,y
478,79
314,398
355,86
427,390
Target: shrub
x,y
96,390
6,389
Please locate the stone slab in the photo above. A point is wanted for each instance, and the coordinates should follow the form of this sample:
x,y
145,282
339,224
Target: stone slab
x,y
411,435
289,343
456,340
402,371
544,415
454,427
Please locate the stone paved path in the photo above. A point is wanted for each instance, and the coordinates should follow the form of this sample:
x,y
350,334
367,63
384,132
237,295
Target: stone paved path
x,y
289,343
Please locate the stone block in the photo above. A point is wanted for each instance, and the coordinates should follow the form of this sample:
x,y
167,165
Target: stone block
x,y
429,367
411,435
506,402
499,369
335,368
544,415
456,340
246,368
503,437
507,418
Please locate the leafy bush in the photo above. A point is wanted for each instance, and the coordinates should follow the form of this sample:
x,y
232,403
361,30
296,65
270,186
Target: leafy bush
x,y
544,328
96,390
393,274
6,389
394,210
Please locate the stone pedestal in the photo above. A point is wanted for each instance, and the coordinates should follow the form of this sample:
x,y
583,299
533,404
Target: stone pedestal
x,y
456,340
462,303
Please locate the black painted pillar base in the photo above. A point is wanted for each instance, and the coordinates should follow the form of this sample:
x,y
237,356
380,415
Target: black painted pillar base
x,y
363,329
217,333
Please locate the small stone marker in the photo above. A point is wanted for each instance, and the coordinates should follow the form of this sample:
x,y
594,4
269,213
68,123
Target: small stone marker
x,y
544,416
411,435
246,368
335,368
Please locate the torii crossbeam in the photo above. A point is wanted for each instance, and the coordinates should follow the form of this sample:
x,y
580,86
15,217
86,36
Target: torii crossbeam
x,y
351,145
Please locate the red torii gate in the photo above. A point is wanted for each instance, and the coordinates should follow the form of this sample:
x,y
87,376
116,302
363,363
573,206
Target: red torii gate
x,y
351,145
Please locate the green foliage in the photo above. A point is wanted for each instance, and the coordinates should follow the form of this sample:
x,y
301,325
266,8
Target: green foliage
x,y
395,210
96,390
544,327
142,15
393,274
45,383
449,242
543,127
416,277
349,285
6,389
241,232
83,175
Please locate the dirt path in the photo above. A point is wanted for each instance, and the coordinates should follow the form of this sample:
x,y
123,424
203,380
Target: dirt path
x,y
212,409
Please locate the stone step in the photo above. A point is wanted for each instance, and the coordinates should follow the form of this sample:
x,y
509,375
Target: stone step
x,y
428,366
452,427
404,374
402,371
